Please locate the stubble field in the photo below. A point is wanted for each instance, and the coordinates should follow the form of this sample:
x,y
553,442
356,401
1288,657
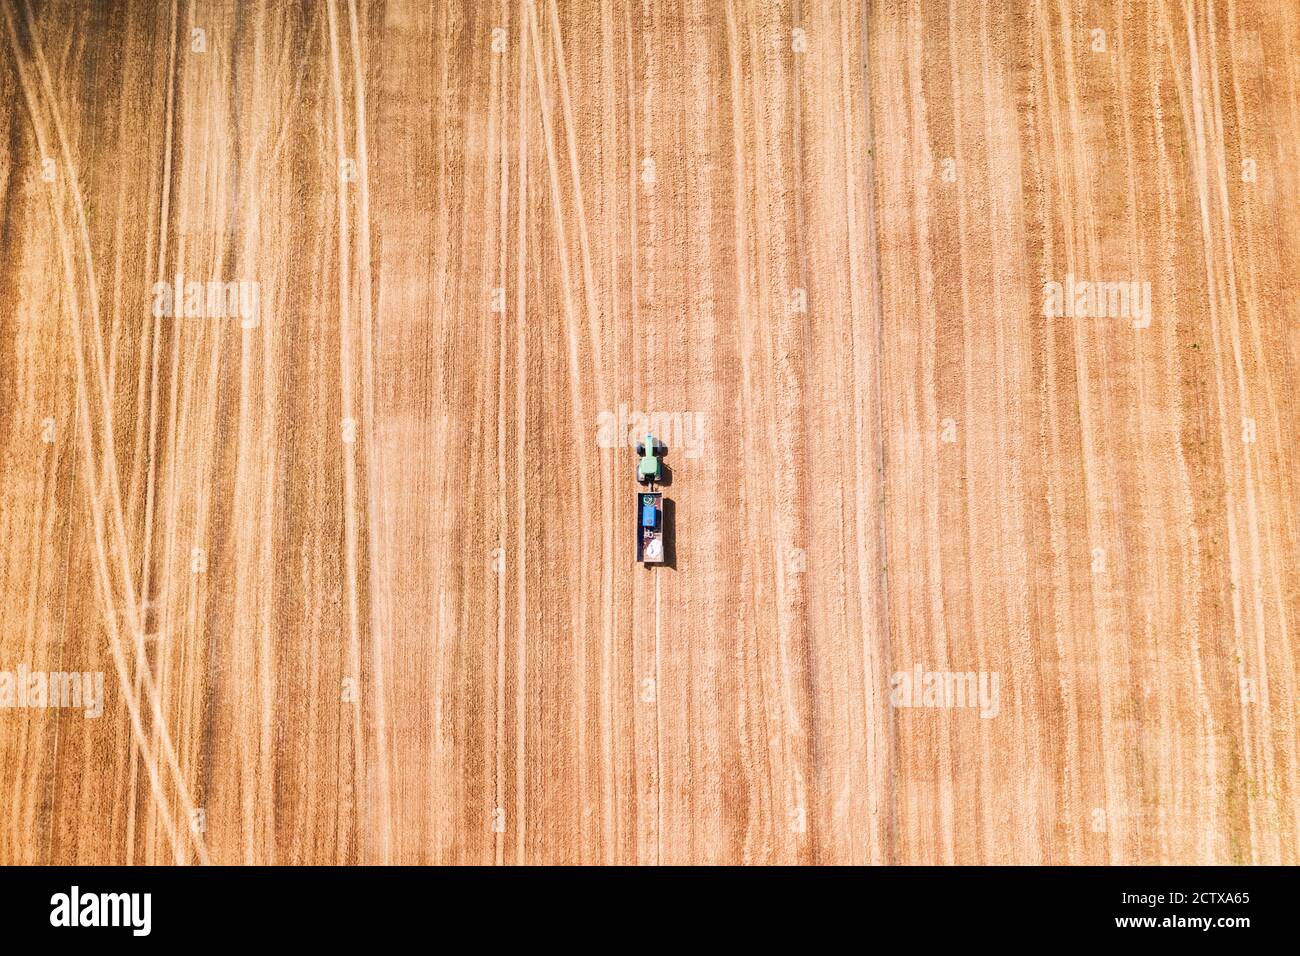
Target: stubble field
x,y
971,561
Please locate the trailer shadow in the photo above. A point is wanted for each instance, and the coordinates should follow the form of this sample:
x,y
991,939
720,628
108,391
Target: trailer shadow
x,y
670,533
670,508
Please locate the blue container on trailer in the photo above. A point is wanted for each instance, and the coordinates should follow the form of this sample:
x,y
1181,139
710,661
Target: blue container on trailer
x,y
647,515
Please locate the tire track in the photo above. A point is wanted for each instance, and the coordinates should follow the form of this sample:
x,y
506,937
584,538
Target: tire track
x,y
107,591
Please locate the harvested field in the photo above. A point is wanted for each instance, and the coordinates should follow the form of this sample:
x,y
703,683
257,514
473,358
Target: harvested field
x,y
971,327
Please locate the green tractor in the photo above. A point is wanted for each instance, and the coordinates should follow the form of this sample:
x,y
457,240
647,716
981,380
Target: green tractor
x,y
649,469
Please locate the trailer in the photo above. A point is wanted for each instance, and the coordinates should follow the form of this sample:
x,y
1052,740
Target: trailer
x,y
650,527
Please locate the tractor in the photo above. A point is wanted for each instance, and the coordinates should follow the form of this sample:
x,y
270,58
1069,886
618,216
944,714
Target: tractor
x,y
650,504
